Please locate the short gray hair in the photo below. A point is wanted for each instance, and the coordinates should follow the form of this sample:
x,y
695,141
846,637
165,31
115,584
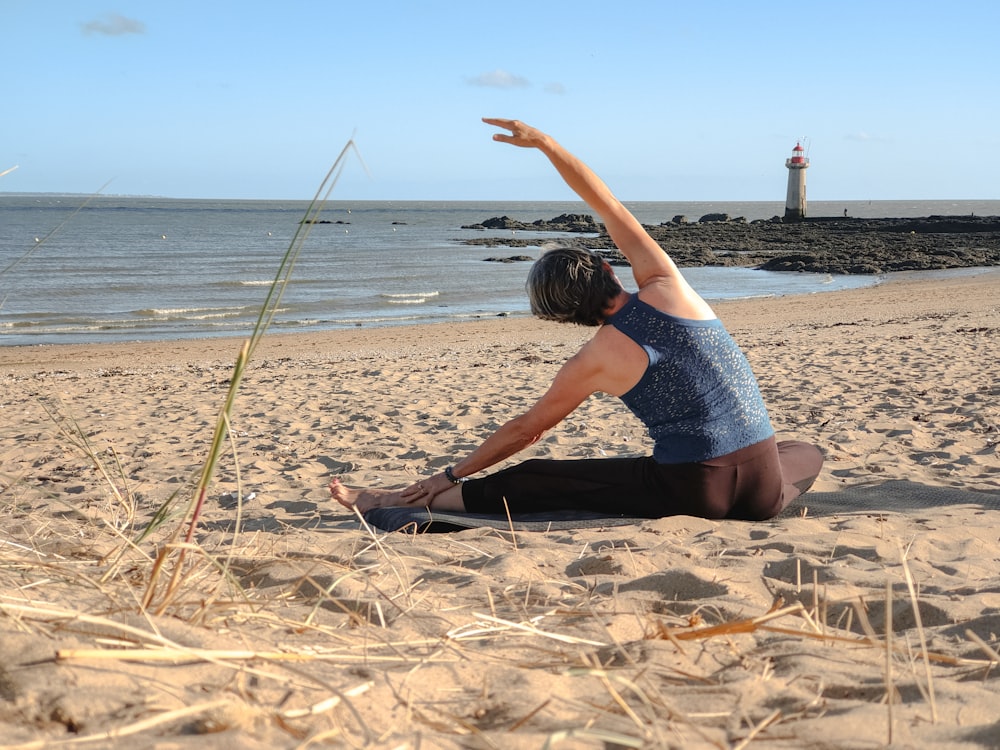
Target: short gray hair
x,y
571,285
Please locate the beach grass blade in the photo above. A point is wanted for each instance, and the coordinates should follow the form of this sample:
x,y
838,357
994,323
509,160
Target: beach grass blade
x,y
222,425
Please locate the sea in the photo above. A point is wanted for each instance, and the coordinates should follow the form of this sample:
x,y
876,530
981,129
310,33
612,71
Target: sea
x,y
79,269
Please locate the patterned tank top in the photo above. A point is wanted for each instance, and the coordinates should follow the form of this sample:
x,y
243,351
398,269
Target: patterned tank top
x,y
698,397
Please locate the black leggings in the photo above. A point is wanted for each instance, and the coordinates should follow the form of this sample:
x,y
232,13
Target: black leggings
x,y
753,484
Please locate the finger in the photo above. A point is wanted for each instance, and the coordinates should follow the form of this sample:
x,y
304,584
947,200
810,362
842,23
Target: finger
x,y
500,122
512,125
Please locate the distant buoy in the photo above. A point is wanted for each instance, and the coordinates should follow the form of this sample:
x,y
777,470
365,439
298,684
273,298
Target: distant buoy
x,y
163,236
37,239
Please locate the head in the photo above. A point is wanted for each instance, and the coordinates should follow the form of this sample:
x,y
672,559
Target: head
x,y
572,285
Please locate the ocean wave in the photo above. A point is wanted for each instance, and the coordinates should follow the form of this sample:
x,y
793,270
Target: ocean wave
x,y
409,298
142,327
49,324
192,313
49,328
252,282
302,323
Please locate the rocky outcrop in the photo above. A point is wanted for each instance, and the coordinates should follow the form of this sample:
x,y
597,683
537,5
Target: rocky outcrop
x,y
577,223
509,259
819,245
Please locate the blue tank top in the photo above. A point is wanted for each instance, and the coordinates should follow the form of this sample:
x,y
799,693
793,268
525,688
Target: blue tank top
x,y
698,398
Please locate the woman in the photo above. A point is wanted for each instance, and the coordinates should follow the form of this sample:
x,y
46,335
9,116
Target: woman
x,y
664,352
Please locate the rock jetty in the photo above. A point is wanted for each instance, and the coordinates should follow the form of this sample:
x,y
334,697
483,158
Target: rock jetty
x,y
819,245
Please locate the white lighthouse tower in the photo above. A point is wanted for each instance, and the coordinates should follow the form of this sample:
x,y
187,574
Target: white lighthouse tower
x,y
795,200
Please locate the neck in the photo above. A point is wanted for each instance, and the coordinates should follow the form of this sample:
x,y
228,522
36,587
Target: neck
x,y
616,304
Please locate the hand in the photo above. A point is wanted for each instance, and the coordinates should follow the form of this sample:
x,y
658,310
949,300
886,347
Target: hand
x,y
521,135
422,492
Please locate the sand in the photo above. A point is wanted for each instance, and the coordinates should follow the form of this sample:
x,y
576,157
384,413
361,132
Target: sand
x,y
294,626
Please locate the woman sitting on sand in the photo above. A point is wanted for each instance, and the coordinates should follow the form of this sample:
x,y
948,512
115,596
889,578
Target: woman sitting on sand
x,y
670,360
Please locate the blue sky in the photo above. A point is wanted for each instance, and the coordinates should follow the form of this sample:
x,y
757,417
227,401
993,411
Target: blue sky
x,y
667,101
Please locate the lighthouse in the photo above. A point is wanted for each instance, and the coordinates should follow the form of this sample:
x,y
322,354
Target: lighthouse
x,y
795,200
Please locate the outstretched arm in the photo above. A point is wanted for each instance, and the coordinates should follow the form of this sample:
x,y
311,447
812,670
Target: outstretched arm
x,y
578,378
649,261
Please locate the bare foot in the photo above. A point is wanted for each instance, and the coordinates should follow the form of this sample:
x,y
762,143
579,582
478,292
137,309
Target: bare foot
x,y
364,500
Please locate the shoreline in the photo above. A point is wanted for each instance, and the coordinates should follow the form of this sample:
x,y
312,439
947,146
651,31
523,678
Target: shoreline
x,y
410,337
204,296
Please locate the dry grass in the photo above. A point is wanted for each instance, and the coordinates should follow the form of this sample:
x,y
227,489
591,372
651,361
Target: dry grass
x,y
356,647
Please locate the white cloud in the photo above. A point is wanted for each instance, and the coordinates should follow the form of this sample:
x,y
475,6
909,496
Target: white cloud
x,y
112,24
499,79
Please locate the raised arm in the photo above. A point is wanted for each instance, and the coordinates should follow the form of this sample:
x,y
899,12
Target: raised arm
x,y
649,261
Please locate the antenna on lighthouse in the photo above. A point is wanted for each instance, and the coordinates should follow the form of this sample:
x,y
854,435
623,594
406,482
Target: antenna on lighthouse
x,y
795,198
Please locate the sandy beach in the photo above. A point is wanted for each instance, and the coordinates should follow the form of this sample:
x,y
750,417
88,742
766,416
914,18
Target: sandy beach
x,y
291,625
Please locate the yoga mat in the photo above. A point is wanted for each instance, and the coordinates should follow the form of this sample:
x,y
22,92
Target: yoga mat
x,y
897,496
423,521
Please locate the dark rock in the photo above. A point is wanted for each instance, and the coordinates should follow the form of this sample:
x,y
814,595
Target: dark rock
x,y
713,218
818,245
500,242
583,223
510,259
578,223
497,222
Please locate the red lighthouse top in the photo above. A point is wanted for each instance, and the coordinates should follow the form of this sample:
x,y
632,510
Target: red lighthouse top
x,y
797,154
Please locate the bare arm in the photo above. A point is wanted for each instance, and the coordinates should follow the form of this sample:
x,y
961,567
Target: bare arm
x,y
577,379
569,389
649,261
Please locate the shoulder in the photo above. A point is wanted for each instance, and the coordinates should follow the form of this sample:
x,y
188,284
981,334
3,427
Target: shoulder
x,y
674,296
610,362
